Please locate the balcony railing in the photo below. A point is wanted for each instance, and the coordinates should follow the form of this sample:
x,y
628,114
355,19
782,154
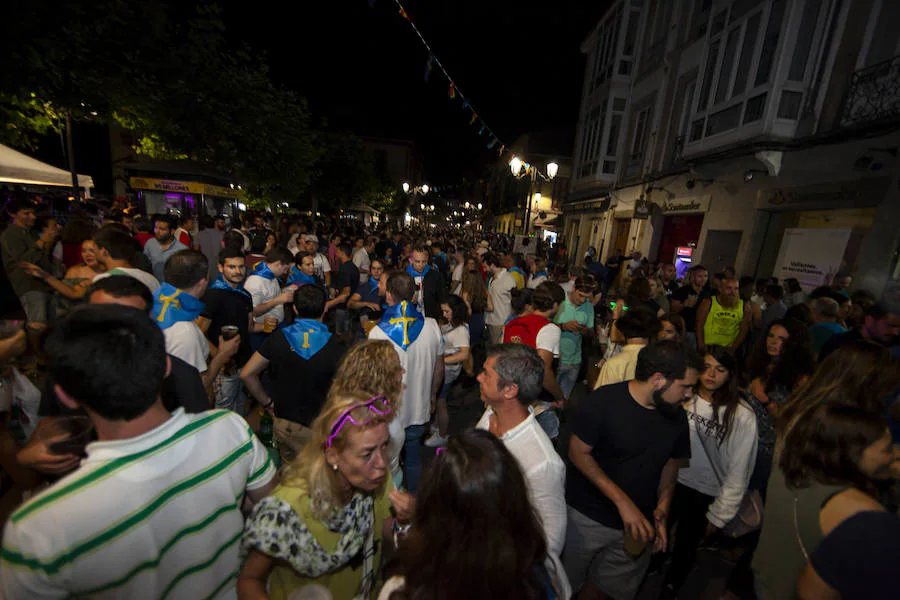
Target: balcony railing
x,y
874,94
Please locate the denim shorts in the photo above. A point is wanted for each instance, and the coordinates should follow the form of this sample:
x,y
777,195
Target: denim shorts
x,y
36,305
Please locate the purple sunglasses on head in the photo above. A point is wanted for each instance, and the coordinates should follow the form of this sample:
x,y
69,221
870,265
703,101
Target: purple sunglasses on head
x,y
377,405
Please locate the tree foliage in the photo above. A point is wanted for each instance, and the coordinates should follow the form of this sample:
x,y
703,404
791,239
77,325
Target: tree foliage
x,y
167,73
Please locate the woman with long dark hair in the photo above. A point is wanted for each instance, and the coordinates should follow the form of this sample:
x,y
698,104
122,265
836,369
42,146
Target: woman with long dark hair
x,y
829,460
779,362
474,294
475,534
723,451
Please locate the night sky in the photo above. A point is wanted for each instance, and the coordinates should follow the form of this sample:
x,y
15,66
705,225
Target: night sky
x,y
362,70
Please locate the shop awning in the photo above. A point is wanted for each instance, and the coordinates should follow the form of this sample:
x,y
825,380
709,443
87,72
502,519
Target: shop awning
x,y
16,167
365,208
184,187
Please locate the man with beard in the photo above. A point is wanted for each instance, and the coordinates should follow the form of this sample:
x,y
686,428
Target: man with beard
x,y
627,445
162,246
229,304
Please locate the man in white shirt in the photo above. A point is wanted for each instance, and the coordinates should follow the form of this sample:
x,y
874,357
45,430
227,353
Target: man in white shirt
x,y
417,340
158,494
114,249
176,307
323,269
265,289
500,289
361,257
510,381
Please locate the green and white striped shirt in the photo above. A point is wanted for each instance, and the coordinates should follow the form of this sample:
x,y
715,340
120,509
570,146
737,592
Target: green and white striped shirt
x,y
155,516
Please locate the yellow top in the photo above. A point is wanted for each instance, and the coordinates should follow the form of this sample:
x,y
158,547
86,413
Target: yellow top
x,y
723,325
345,582
520,279
620,367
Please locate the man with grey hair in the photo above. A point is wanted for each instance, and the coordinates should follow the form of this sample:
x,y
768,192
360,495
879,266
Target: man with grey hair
x,y
511,380
824,314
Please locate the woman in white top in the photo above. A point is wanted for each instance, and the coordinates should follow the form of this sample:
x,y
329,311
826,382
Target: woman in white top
x,y
475,534
455,332
723,451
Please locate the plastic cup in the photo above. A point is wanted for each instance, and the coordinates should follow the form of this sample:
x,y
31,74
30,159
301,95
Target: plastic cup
x,y
229,332
269,324
67,435
634,547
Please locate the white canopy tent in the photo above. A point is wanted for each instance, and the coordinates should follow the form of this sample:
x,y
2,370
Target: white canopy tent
x,y
16,167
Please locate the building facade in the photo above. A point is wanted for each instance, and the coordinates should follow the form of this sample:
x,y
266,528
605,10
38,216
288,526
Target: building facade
x,y
729,125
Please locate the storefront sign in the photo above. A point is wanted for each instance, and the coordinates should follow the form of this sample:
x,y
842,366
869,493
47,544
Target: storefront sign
x,y
184,187
642,209
683,206
855,194
812,256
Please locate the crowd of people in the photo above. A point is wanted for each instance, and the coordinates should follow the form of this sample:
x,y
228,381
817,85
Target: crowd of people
x,y
260,406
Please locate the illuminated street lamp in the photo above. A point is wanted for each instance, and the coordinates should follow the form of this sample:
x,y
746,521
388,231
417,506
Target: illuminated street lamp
x,y
425,188
405,187
552,169
516,167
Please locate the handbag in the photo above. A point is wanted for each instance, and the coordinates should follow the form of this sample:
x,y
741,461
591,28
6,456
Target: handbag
x,y
749,515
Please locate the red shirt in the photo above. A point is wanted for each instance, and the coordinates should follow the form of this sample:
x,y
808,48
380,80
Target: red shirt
x,y
143,237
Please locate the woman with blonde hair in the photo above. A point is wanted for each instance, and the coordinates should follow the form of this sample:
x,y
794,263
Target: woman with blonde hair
x,y
372,368
320,526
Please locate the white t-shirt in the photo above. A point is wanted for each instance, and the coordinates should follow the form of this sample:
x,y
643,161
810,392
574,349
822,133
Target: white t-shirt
x,y
264,290
545,474
144,277
362,262
500,290
418,359
170,498
534,282
454,340
320,263
730,460
186,341
548,339
458,273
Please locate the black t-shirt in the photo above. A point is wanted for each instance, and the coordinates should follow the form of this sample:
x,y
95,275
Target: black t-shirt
x,y
859,557
347,276
689,313
183,387
631,444
670,288
299,386
224,307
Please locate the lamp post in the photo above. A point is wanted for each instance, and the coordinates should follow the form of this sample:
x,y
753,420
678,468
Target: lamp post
x,y
520,169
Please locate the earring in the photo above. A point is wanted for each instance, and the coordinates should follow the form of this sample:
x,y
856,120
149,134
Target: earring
x,y
334,467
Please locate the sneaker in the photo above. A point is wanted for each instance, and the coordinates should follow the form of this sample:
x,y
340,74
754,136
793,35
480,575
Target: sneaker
x,y
436,440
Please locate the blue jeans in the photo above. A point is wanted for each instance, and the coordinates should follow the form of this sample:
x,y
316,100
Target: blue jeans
x,y
567,377
413,462
549,422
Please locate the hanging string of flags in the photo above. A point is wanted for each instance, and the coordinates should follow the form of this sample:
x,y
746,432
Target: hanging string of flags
x,y
453,91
